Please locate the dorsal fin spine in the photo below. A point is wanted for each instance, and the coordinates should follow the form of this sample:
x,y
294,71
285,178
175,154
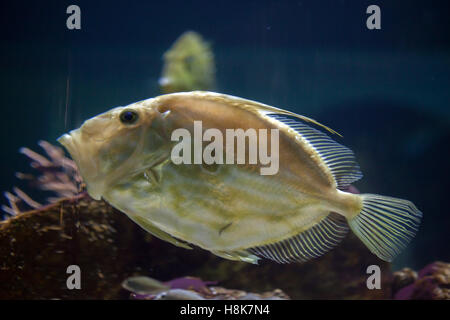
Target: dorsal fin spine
x,y
338,158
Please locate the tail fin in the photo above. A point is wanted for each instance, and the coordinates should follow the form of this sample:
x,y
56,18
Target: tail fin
x,y
386,225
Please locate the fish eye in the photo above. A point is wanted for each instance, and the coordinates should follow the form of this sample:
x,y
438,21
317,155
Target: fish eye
x,y
129,116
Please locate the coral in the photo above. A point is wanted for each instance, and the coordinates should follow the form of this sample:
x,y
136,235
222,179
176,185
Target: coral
x,y
403,278
57,174
432,282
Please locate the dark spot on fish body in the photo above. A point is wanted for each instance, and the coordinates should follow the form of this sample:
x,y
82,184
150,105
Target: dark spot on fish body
x,y
224,228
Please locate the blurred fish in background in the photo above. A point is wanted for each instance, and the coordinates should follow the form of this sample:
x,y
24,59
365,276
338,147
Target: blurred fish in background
x,y
188,65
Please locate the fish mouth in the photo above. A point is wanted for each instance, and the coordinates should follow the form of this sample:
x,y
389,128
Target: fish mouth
x,y
85,162
67,142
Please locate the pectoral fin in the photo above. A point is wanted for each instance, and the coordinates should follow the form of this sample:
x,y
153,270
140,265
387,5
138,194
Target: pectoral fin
x,y
154,174
307,245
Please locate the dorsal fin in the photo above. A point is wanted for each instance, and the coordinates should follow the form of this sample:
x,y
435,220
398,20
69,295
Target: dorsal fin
x,y
307,245
280,112
339,159
255,106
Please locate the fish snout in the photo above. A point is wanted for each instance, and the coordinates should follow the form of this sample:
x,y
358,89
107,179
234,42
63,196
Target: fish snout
x,y
87,165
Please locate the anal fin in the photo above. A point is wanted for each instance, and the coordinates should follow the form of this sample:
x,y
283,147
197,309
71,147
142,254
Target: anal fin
x,y
307,245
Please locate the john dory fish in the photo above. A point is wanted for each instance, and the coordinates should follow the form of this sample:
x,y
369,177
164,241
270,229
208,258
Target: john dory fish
x,y
299,213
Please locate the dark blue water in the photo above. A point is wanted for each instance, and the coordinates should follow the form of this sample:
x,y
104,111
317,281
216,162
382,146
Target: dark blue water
x,y
386,91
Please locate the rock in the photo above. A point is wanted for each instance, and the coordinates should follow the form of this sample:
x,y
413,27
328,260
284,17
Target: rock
x,y
38,246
